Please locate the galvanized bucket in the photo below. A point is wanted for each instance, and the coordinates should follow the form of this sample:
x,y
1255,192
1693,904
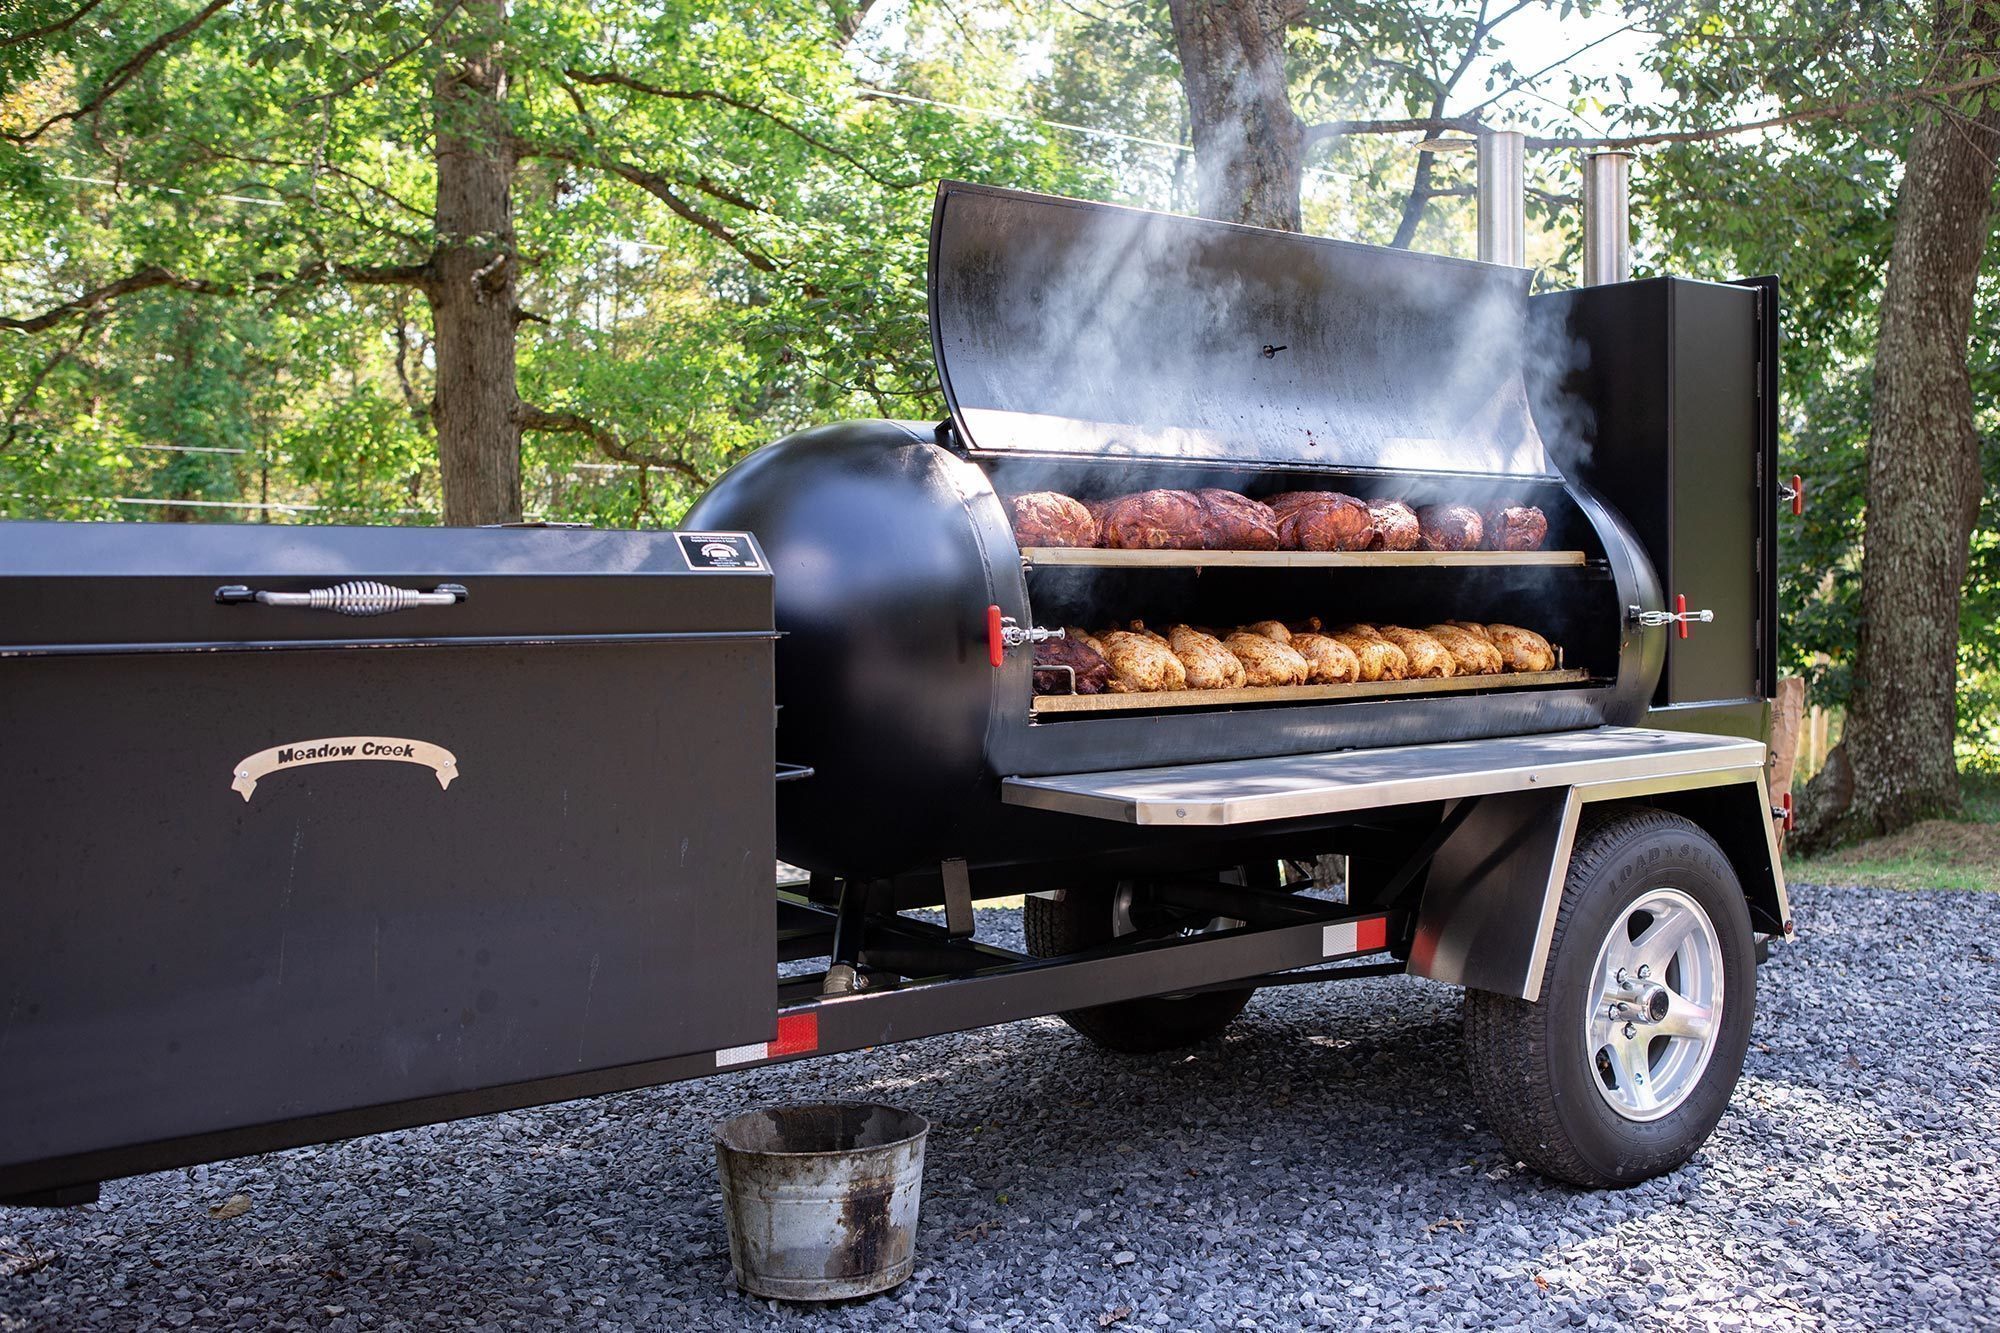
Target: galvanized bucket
x,y
821,1200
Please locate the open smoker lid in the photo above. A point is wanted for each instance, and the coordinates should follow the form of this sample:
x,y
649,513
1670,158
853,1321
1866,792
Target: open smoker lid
x,y
1070,328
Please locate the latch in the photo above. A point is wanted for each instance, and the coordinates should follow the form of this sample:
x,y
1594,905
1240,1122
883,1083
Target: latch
x,y
1794,494
1004,632
1680,616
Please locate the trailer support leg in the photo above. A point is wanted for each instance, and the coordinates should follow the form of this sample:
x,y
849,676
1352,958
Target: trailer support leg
x,y
843,973
957,898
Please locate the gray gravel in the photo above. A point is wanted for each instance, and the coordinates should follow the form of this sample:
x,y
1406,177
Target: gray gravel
x,y
1318,1167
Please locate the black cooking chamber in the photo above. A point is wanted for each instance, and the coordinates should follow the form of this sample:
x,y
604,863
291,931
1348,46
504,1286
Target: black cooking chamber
x,y
1097,351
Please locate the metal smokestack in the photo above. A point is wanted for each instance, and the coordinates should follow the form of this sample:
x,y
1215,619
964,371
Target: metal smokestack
x,y
1503,198
1607,218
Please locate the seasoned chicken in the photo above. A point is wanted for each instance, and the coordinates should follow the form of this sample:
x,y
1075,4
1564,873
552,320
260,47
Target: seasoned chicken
x,y
1209,665
1078,634
1046,518
1428,657
1266,661
1234,522
1153,521
1472,654
1449,528
1327,521
1092,672
1379,658
1522,649
1142,662
1472,627
1512,527
1396,525
1328,660
1270,629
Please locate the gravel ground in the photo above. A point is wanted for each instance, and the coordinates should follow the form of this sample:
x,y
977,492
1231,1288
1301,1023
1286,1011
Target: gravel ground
x,y
1319,1166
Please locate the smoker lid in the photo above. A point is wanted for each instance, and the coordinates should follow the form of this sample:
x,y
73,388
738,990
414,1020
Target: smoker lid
x,y
1070,328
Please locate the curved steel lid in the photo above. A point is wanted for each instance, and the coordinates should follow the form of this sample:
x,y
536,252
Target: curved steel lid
x,y
1070,328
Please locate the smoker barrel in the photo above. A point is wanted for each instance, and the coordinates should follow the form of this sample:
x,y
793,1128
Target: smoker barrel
x,y
1094,351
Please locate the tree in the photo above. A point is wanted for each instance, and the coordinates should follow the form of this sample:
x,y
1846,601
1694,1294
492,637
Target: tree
x,y
1897,762
403,145
1249,144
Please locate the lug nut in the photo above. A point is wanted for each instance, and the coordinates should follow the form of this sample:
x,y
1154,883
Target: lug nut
x,y
1644,971
1630,1032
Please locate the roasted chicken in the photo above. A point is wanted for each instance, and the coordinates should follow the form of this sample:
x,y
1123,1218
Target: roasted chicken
x,y
1472,653
1328,660
1208,664
1428,658
1141,661
1378,658
1522,649
1266,661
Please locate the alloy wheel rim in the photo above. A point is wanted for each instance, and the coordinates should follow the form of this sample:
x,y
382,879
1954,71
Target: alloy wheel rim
x,y
1654,1006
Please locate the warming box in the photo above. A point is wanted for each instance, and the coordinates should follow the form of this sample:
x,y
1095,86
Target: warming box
x,y
303,821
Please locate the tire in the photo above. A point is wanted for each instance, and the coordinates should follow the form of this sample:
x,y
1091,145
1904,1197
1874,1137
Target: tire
x,y
1605,1116
1086,918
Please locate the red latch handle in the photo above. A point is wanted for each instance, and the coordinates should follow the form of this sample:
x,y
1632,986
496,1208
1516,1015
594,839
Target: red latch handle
x,y
1787,801
996,647
1680,612
1798,506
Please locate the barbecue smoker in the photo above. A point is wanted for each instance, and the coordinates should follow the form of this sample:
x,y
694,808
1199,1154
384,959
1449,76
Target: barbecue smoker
x,y
1584,843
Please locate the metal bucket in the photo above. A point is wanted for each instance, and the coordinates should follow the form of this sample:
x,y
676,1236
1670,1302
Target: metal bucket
x,y
821,1200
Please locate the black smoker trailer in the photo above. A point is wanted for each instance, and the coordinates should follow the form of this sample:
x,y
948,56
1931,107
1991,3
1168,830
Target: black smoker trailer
x,y
317,832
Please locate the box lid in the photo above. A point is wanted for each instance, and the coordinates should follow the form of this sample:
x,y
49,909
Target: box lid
x,y
70,587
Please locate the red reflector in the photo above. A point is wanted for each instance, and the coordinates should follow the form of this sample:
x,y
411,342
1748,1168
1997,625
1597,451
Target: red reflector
x,y
995,649
1371,934
797,1034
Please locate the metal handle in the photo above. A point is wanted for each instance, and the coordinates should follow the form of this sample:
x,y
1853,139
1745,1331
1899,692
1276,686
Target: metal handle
x,y
1795,493
1680,616
361,597
1004,632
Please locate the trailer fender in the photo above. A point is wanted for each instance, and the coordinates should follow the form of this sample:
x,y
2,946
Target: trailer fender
x,y
1489,904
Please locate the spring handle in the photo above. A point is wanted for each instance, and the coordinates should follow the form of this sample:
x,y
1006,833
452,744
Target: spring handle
x,y
358,597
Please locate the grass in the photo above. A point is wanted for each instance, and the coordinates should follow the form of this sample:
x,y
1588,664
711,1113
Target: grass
x,y
1961,853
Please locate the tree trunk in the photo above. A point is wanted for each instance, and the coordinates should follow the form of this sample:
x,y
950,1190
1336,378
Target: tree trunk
x,y
1923,471
1249,145
471,288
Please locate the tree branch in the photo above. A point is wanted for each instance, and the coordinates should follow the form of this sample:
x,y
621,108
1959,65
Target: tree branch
x,y
124,74
661,188
1333,129
1827,110
530,417
613,79
52,28
154,276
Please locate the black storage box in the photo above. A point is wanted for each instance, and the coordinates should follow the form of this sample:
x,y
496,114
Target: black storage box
x,y
267,862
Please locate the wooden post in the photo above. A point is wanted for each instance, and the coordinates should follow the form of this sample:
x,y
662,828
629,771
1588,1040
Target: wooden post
x,y
1787,715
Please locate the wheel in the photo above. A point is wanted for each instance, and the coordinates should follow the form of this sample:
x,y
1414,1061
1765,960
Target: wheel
x,y
1093,916
1621,1070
